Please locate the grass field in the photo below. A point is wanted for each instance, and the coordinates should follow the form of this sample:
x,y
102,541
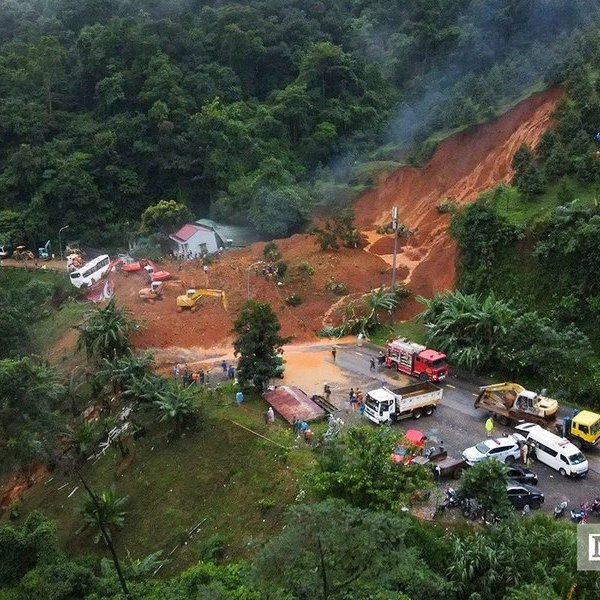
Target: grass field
x,y
236,484
50,329
412,330
53,323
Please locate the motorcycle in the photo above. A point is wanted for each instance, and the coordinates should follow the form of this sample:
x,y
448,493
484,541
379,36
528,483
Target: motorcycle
x,y
580,516
559,509
451,500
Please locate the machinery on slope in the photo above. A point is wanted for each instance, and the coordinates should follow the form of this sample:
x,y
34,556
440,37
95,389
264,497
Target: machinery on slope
x,y
191,298
44,252
152,293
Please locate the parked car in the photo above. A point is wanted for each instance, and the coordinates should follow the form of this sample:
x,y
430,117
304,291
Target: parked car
x,y
522,475
505,449
521,495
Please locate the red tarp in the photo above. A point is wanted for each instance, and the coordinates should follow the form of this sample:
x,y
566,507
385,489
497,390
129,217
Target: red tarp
x,y
292,402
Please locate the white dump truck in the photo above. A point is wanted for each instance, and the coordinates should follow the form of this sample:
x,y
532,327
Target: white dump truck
x,y
385,405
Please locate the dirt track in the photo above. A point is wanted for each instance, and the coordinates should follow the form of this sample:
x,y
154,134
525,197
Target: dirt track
x,y
463,166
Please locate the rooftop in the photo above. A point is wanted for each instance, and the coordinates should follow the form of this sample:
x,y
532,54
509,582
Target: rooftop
x,y
187,231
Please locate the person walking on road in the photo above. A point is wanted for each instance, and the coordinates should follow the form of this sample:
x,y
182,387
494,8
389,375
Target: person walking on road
x,y
372,365
489,427
334,353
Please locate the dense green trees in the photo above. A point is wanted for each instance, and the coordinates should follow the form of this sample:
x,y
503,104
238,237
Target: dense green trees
x,y
106,109
30,397
485,332
356,466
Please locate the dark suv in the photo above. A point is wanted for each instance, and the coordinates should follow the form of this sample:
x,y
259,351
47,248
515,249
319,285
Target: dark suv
x,y
522,475
521,495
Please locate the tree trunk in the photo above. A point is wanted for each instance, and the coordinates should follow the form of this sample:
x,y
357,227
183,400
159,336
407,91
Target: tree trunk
x,y
325,583
106,537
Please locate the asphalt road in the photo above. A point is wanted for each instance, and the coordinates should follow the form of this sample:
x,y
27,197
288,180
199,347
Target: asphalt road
x,y
459,425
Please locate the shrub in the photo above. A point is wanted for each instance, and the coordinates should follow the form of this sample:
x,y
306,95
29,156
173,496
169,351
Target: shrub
x,y
293,300
447,206
271,252
306,268
281,269
336,287
214,548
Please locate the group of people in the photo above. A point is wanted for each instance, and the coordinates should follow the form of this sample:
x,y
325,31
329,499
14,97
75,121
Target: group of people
x,y
301,428
189,376
355,401
228,370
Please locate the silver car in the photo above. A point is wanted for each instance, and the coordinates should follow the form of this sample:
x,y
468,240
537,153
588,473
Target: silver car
x,y
505,449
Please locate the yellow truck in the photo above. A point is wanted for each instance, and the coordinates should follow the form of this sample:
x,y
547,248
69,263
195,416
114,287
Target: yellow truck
x,y
511,403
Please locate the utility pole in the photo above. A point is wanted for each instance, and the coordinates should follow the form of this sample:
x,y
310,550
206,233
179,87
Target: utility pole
x,y
395,228
60,240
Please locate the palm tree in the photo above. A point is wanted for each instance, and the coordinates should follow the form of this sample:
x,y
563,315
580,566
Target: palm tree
x,y
177,403
106,332
73,391
119,373
82,437
363,316
105,512
147,388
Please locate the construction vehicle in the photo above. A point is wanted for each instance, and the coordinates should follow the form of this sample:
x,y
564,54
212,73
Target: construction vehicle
x,y
152,293
192,296
583,429
44,253
416,360
22,254
385,405
511,402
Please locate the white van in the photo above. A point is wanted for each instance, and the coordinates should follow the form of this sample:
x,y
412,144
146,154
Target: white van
x,y
555,451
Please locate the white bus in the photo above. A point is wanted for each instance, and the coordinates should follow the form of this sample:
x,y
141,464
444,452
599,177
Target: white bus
x,y
91,272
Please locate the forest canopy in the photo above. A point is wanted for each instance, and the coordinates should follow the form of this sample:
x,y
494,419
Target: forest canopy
x,y
235,109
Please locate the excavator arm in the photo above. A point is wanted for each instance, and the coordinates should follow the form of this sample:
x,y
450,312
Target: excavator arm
x,y
190,299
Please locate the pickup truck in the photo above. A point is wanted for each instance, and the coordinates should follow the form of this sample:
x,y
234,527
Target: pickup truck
x,y
385,405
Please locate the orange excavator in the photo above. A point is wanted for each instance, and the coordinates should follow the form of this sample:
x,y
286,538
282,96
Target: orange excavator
x,y
152,293
192,296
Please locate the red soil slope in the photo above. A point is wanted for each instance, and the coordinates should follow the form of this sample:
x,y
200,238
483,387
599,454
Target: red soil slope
x,y
462,167
210,327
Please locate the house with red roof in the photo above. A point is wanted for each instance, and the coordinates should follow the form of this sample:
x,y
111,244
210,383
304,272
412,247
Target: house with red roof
x,y
206,236
194,240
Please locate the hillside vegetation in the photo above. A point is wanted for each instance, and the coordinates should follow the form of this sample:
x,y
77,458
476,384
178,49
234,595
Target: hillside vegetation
x,y
529,297
109,107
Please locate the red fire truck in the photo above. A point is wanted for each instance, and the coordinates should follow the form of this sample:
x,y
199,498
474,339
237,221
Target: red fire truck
x,y
416,360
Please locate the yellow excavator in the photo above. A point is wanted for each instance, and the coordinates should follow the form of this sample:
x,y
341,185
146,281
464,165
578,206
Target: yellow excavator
x,y
192,296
